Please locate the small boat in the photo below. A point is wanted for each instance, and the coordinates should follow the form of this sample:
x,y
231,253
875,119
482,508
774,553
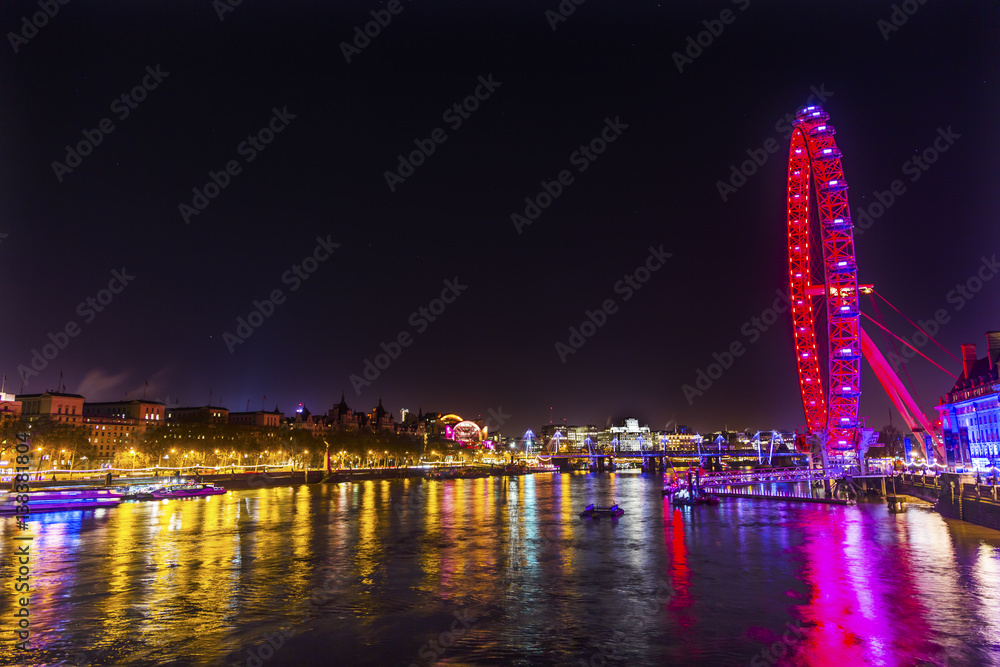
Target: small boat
x,y
596,512
671,489
60,500
683,497
186,491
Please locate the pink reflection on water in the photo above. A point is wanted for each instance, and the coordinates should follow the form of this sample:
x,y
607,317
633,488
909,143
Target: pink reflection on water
x,y
865,607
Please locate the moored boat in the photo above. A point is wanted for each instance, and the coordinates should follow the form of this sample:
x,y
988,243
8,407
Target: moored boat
x,y
140,492
596,512
700,497
59,500
186,491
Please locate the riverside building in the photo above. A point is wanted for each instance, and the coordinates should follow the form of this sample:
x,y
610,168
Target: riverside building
x,y
970,412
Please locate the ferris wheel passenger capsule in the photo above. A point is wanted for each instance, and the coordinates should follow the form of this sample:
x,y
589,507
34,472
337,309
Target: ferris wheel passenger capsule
x,y
833,185
829,154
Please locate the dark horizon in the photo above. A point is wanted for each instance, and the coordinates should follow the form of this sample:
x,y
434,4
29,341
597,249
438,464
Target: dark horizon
x,y
262,103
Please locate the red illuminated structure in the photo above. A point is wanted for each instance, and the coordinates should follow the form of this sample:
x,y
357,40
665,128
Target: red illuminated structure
x,y
814,159
831,407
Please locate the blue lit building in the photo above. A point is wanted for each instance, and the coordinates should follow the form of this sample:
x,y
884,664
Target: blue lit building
x,y
970,414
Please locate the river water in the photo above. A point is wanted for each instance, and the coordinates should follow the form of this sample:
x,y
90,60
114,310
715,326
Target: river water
x,y
502,571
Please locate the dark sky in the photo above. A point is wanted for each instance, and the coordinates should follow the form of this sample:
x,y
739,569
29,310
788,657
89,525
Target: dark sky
x,y
495,346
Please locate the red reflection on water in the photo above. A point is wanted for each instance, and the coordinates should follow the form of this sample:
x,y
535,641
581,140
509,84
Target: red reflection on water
x,y
680,573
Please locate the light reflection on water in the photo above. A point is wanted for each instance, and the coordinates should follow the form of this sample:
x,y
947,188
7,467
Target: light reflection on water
x,y
204,581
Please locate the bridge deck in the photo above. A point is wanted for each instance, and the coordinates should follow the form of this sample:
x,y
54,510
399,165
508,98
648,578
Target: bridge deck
x,y
793,498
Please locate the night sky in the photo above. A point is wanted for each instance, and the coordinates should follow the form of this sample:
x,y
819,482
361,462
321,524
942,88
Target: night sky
x,y
318,189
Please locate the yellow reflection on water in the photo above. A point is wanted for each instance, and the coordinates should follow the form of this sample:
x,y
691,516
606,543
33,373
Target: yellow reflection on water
x,y
986,572
424,515
366,548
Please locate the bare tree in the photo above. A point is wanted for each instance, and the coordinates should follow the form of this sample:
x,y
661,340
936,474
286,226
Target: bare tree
x,y
892,440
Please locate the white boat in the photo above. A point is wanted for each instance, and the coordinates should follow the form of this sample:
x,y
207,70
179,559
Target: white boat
x,y
60,500
186,491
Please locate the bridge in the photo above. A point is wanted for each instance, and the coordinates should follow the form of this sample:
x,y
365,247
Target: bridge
x,y
655,455
786,475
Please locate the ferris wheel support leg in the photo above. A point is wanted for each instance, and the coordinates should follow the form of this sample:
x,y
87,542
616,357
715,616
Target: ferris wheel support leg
x,y
918,423
825,458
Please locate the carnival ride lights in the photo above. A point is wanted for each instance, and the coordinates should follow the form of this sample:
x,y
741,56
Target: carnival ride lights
x,y
466,431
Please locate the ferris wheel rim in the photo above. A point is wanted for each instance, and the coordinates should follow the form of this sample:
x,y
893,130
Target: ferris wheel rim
x,y
814,168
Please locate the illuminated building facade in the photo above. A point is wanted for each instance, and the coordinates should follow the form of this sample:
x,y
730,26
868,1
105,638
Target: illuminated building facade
x,y
260,418
381,419
110,435
9,406
52,405
679,440
630,438
144,413
206,414
970,413
342,418
576,437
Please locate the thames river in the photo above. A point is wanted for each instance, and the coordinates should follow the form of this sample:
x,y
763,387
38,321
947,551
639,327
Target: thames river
x,y
502,571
